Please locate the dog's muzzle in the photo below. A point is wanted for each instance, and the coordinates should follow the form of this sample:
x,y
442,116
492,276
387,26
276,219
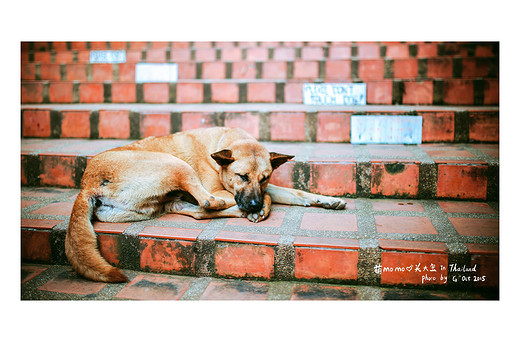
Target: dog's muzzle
x,y
252,203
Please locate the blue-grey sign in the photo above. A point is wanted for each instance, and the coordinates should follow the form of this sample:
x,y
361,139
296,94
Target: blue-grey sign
x,y
108,56
343,94
386,129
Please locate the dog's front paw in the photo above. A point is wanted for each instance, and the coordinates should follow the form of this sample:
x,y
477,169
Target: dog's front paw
x,y
257,217
334,203
262,214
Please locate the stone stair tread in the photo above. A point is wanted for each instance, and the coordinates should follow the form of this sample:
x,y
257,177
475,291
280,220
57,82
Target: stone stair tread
x,y
304,151
254,107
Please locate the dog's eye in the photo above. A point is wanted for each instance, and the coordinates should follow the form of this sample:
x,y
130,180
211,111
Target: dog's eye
x,y
264,179
245,178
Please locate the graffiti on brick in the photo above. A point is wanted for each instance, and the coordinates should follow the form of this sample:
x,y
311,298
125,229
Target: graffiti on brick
x,y
342,94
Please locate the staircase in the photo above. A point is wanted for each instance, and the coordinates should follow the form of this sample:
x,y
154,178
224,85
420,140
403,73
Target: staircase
x,y
418,215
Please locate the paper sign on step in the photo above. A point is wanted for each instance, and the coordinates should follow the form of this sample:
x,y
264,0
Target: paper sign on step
x,y
156,72
386,129
108,56
342,94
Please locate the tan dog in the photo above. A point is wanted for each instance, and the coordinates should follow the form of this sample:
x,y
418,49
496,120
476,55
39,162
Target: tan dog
x,y
203,173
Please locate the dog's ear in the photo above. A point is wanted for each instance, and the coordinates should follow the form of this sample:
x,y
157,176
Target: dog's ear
x,y
278,159
223,158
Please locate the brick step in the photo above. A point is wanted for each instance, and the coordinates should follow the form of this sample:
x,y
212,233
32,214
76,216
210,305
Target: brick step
x,y
427,171
341,70
267,122
59,282
47,52
450,91
446,244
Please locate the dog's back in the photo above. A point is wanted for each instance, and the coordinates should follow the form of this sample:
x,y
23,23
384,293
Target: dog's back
x,y
193,146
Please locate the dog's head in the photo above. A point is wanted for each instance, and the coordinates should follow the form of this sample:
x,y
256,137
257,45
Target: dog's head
x,y
246,168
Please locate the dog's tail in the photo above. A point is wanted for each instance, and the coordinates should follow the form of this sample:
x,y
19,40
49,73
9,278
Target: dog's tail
x,y
81,244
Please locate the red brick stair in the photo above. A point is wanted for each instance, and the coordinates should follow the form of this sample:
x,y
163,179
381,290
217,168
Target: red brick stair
x,y
267,122
373,242
200,50
47,282
452,171
404,225
249,72
375,69
448,92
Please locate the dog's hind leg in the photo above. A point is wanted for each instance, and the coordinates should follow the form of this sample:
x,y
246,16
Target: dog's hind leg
x,y
297,197
143,178
108,210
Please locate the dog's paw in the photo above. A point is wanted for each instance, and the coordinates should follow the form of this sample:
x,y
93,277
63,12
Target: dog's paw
x,y
334,203
257,217
261,215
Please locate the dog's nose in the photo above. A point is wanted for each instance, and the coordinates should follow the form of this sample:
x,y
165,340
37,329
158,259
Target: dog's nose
x,y
255,205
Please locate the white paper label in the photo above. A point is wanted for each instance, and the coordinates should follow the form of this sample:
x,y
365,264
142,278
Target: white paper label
x,y
343,94
386,129
156,72
107,56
